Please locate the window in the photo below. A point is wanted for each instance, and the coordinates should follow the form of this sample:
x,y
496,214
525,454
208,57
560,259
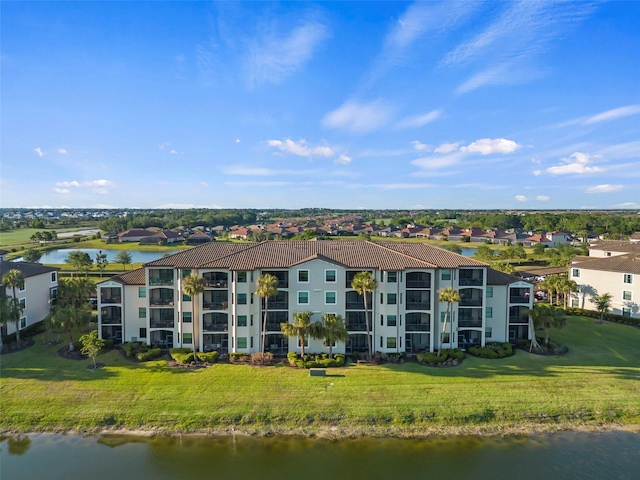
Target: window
x,y
382,320
330,298
142,312
575,303
626,295
628,278
242,277
23,304
186,298
445,274
575,272
303,276
391,320
186,317
242,320
445,337
142,292
303,298
392,277
251,319
242,342
626,311
487,332
392,298
242,298
391,342
23,322
330,276
488,312
381,298
53,277
23,287
442,316
187,338
143,333
489,292
186,273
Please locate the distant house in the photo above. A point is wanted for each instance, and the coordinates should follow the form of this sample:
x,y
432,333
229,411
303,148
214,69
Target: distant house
x,y
134,235
164,236
3,254
635,238
241,232
40,289
199,238
613,249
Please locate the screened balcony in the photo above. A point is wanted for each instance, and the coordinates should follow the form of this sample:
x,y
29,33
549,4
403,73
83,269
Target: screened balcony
x,y
274,319
161,297
519,295
471,277
470,317
215,322
215,300
471,297
350,276
111,295
111,315
161,318
418,280
216,279
417,322
279,302
418,300
518,315
356,321
283,277
354,301
160,276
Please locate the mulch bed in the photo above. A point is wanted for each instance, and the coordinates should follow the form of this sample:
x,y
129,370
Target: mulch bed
x,y
73,355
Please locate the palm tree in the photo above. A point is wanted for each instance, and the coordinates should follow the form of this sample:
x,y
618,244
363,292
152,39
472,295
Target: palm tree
x,y
267,288
451,296
14,280
364,283
603,304
551,284
124,258
546,316
7,312
567,287
72,308
334,329
302,327
193,285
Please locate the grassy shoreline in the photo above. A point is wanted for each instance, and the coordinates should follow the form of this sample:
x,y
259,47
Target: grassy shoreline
x,y
595,387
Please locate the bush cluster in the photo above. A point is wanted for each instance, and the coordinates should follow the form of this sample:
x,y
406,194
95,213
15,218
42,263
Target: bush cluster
x,y
182,356
208,357
260,358
492,350
389,357
609,317
139,350
552,348
239,357
320,360
447,355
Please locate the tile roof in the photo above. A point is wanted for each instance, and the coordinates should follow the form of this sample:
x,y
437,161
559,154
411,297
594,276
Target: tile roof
x,y
284,254
134,277
495,277
621,263
624,247
28,269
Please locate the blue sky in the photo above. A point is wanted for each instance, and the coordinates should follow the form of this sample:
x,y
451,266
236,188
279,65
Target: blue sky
x,y
467,104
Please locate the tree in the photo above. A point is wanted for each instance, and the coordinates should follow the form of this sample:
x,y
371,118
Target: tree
x,y
13,279
364,283
484,252
603,304
334,329
551,284
31,255
453,247
193,285
101,261
546,316
91,346
72,308
6,306
124,258
302,327
539,248
80,261
566,287
267,288
451,296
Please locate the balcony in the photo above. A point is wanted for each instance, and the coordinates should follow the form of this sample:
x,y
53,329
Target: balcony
x,y
161,318
519,299
111,315
357,326
217,326
105,300
217,300
355,306
356,321
418,305
161,297
216,280
470,297
283,278
160,281
473,278
519,295
518,319
417,322
418,280
210,305
111,295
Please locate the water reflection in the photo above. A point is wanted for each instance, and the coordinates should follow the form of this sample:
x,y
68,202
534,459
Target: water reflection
x,y
560,456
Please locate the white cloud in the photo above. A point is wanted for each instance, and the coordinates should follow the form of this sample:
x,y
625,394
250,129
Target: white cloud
x,y
344,159
237,140
447,147
627,205
613,114
100,187
301,148
174,152
422,147
163,145
204,184
266,172
68,184
437,161
487,146
520,198
604,188
542,198
39,152
420,120
62,151
537,173
272,58
577,163
359,117
62,191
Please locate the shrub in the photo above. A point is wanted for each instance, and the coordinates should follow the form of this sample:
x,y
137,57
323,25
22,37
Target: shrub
x,y
292,358
492,350
432,358
208,357
181,355
320,360
149,354
239,358
260,358
609,317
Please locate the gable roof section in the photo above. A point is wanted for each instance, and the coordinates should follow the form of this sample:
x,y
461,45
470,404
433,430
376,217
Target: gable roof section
x,y
28,269
134,277
284,254
622,263
495,277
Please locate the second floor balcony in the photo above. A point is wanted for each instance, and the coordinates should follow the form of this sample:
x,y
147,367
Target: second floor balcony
x,y
471,277
417,322
161,297
518,315
111,315
215,322
356,322
470,297
469,317
161,318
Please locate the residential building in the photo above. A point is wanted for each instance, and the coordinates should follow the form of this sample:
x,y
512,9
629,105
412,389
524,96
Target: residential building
x,y
40,289
404,311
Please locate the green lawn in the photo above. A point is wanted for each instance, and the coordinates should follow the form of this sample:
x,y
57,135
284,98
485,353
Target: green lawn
x,y
596,383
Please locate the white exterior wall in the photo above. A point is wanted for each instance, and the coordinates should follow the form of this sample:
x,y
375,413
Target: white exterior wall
x,y
36,295
596,282
131,323
499,321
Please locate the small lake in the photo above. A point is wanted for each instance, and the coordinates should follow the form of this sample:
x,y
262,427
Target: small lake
x,y
597,456
60,255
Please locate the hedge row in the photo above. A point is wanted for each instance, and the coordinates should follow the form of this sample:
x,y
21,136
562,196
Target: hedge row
x,y
149,354
432,358
609,317
492,350
316,361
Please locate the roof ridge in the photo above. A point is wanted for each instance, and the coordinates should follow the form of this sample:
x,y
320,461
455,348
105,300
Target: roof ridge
x,y
380,245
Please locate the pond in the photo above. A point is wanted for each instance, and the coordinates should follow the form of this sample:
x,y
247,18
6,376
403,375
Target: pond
x,y
60,255
549,457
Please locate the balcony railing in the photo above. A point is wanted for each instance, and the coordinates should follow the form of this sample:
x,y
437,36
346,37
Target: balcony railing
x,y
519,299
157,281
471,281
216,284
111,319
153,323
418,284
356,306
215,326
357,326
471,302
418,306
277,305
161,302
470,323
273,326
417,327
215,305
518,319
117,299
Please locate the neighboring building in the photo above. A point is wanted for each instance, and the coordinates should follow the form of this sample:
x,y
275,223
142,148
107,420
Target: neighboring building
x,y
199,238
605,249
405,313
3,254
163,237
135,234
618,275
40,289
635,238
